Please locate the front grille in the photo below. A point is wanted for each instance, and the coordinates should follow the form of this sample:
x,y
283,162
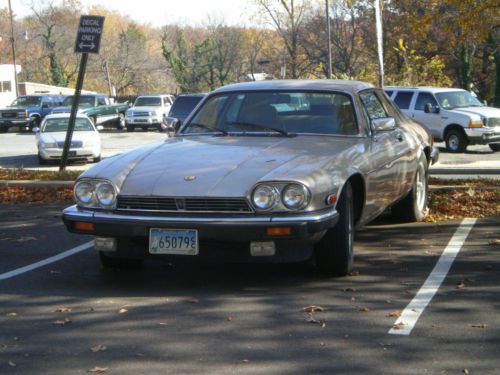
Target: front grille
x,y
182,204
74,144
9,114
494,122
140,114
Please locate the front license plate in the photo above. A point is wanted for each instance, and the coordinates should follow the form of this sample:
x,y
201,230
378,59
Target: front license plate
x,y
173,241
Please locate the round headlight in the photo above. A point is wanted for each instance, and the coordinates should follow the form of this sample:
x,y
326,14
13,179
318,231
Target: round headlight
x,y
105,194
295,196
84,192
265,197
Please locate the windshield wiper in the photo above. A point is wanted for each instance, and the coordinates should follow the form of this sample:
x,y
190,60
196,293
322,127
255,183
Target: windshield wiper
x,y
265,127
207,127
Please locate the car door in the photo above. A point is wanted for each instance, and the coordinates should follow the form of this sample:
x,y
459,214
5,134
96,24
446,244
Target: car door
x,y
387,152
46,106
432,120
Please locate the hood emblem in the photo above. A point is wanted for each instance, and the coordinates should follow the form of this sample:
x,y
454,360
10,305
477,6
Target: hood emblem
x,y
189,178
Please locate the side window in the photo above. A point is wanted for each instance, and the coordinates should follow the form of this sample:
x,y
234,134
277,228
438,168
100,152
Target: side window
x,y
372,105
46,103
423,99
101,100
403,99
389,93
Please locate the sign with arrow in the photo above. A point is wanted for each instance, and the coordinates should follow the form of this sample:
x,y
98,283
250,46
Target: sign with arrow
x,y
88,38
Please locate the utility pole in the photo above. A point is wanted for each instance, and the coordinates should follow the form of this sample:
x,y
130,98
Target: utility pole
x,y
110,88
329,74
380,45
13,44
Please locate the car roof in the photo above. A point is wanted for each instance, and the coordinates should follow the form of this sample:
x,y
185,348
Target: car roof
x,y
299,85
65,115
423,88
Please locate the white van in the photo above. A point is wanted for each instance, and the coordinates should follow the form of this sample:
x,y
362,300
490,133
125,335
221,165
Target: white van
x,y
452,115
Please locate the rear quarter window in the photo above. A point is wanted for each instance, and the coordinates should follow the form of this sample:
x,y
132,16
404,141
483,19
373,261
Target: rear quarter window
x,y
403,99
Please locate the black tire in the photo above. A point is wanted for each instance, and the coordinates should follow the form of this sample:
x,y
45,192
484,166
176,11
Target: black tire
x,y
4,130
456,140
334,252
130,128
97,159
120,122
42,161
494,147
34,124
108,262
414,206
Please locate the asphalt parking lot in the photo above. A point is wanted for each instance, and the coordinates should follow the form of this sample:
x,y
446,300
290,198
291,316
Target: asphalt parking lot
x,y
70,316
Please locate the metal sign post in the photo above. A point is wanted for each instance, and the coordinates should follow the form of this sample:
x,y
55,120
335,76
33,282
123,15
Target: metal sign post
x,y
88,40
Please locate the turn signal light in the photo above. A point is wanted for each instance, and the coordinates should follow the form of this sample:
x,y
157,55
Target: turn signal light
x,y
86,227
279,231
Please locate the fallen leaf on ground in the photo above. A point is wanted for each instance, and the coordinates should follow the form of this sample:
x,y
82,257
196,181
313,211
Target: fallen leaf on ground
x,y
98,370
465,371
27,238
479,326
313,308
12,314
349,290
229,318
122,311
399,325
192,300
12,364
395,314
245,360
461,285
62,322
63,309
494,242
313,320
364,309
354,273
99,348
163,323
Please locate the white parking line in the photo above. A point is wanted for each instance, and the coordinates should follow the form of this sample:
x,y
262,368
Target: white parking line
x,y
55,258
409,317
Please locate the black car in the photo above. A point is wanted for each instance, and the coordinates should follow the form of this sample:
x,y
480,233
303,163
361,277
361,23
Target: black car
x,y
182,107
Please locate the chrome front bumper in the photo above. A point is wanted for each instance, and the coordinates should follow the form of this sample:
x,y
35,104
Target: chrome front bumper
x,y
483,135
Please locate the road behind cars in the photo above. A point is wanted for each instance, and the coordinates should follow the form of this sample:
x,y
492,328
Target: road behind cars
x,y
177,318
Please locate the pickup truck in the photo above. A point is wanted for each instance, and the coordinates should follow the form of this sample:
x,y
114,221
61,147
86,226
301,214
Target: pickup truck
x,y
27,111
454,116
98,108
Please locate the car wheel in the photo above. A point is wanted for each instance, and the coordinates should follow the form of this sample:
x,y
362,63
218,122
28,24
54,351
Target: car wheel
x,y
116,262
130,128
34,124
120,122
413,206
456,141
97,159
41,160
494,147
334,252
4,130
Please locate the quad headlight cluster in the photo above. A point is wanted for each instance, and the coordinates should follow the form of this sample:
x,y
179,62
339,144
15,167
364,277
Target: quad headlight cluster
x,y
95,193
280,196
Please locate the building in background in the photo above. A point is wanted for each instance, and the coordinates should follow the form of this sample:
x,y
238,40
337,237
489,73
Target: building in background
x,y
7,82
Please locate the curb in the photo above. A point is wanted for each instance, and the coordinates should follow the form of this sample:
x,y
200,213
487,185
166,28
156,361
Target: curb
x,y
463,171
36,184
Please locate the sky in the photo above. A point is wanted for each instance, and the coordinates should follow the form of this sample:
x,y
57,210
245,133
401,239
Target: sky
x,y
162,12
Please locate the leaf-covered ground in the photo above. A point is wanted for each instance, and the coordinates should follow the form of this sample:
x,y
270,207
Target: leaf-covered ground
x,y
443,204
25,174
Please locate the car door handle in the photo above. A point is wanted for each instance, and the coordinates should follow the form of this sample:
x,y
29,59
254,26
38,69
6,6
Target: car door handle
x,y
399,137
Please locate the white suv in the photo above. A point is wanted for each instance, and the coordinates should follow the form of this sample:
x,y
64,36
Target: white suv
x,y
452,115
148,111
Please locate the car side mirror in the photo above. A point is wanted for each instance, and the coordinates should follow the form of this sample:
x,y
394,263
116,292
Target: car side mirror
x,y
130,104
99,127
383,124
35,129
428,108
173,124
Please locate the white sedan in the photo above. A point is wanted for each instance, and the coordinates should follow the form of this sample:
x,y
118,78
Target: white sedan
x,y
50,137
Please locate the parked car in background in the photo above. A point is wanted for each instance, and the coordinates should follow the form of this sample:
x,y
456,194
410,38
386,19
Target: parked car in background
x,y
148,111
50,138
257,179
98,108
182,107
452,115
27,112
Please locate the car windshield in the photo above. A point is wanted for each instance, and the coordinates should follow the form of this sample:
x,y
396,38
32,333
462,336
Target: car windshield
x,y
280,113
457,99
147,102
85,101
61,125
183,105
26,101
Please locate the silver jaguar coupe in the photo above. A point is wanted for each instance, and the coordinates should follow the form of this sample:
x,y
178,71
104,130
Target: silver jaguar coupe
x,y
276,171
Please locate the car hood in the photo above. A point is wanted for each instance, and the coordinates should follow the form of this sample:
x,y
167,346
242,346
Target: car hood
x,y
219,166
149,109
481,111
61,136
